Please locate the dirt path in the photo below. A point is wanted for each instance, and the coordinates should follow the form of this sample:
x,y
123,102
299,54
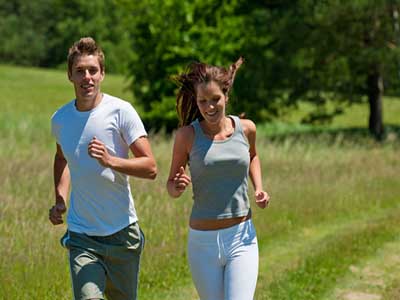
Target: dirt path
x,y
374,278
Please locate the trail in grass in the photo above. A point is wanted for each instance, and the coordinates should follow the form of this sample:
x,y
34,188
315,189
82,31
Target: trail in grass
x,y
289,251
376,277
309,266
289,255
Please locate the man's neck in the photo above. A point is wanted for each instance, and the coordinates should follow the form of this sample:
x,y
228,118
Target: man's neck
x,y
86,104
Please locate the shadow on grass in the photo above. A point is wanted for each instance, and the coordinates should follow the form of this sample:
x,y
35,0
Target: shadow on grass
x,y
349,135
330,259
393,291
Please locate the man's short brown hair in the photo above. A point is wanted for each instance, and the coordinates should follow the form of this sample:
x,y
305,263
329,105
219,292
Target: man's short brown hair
x,y
85,46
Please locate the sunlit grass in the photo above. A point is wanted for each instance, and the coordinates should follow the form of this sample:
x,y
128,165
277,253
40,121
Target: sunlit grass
x,y
334,202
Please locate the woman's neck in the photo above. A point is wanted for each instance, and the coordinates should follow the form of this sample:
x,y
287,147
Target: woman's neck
x,y
222,129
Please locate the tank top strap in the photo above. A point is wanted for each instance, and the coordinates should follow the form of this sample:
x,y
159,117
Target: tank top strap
x,y
238,127
198,132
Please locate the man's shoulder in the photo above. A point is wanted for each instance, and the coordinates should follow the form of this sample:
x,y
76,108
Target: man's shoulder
x,y
63,111
119,104
116,101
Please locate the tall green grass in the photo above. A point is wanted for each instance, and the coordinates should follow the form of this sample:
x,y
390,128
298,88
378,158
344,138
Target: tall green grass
x,y
335,203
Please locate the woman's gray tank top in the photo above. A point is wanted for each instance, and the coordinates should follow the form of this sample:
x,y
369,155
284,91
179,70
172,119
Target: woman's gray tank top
x,y
219,171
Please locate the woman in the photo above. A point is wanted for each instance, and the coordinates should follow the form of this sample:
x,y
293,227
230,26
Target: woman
x,y
220,151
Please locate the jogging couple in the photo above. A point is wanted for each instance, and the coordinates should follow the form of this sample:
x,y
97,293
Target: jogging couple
x,y
96,132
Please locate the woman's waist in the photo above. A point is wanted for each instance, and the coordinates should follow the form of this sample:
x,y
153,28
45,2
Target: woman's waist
x,y
215,224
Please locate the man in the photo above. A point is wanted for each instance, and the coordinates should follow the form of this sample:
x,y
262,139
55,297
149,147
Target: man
x,y
94,134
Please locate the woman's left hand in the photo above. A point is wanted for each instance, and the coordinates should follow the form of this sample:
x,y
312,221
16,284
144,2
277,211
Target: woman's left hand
x,y
262,199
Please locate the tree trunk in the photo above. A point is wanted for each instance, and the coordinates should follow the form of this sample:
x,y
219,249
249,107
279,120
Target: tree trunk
x,y
375,95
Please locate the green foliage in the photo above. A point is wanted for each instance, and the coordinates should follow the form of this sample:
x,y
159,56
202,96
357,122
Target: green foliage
x,y
326,51
100,19
23,28
294,50
39,33
169,35
317,52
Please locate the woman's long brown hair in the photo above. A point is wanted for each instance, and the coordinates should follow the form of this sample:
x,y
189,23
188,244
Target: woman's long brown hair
x,y
195,74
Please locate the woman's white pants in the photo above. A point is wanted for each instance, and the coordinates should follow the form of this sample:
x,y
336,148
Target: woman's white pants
x,y
224,263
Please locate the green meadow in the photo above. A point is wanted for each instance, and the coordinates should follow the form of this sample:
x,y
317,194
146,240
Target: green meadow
x,y
331,230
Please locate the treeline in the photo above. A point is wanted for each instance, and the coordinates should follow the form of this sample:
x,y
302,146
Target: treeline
x,y
317,51
38,33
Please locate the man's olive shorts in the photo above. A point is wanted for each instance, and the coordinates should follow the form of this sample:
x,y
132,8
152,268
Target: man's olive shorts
x,y
105,265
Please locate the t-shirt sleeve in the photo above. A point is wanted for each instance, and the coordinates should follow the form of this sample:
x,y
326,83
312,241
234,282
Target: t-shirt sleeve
x,y
131,125
55,128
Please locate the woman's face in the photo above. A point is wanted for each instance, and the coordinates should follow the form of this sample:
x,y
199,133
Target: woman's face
x,y
211,101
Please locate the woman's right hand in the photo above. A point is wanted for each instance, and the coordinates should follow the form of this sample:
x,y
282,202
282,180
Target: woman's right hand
x,y
262,198
181,180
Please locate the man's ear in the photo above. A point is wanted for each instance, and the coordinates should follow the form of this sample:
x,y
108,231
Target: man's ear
x,y
69,75
103,74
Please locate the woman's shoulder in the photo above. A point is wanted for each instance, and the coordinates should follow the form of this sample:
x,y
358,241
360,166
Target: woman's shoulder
x,y
248,126
185,135
185,131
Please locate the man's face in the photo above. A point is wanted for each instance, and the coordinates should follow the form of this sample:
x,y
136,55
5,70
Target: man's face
x,y
86,76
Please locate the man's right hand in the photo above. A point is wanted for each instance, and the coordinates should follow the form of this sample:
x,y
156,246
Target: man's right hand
x,y
56,212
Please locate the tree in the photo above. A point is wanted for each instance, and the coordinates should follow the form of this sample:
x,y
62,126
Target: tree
x,y
23,28
302,50
38,33
167,36
295,50
330,50
102,20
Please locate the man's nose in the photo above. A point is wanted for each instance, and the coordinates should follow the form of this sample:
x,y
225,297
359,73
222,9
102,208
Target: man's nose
x,y
86,74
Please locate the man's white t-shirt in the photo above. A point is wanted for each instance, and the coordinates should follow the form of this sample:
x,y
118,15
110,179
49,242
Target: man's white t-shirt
x,y
101,202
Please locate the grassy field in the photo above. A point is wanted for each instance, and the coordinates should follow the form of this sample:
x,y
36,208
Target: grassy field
x,y
331,231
